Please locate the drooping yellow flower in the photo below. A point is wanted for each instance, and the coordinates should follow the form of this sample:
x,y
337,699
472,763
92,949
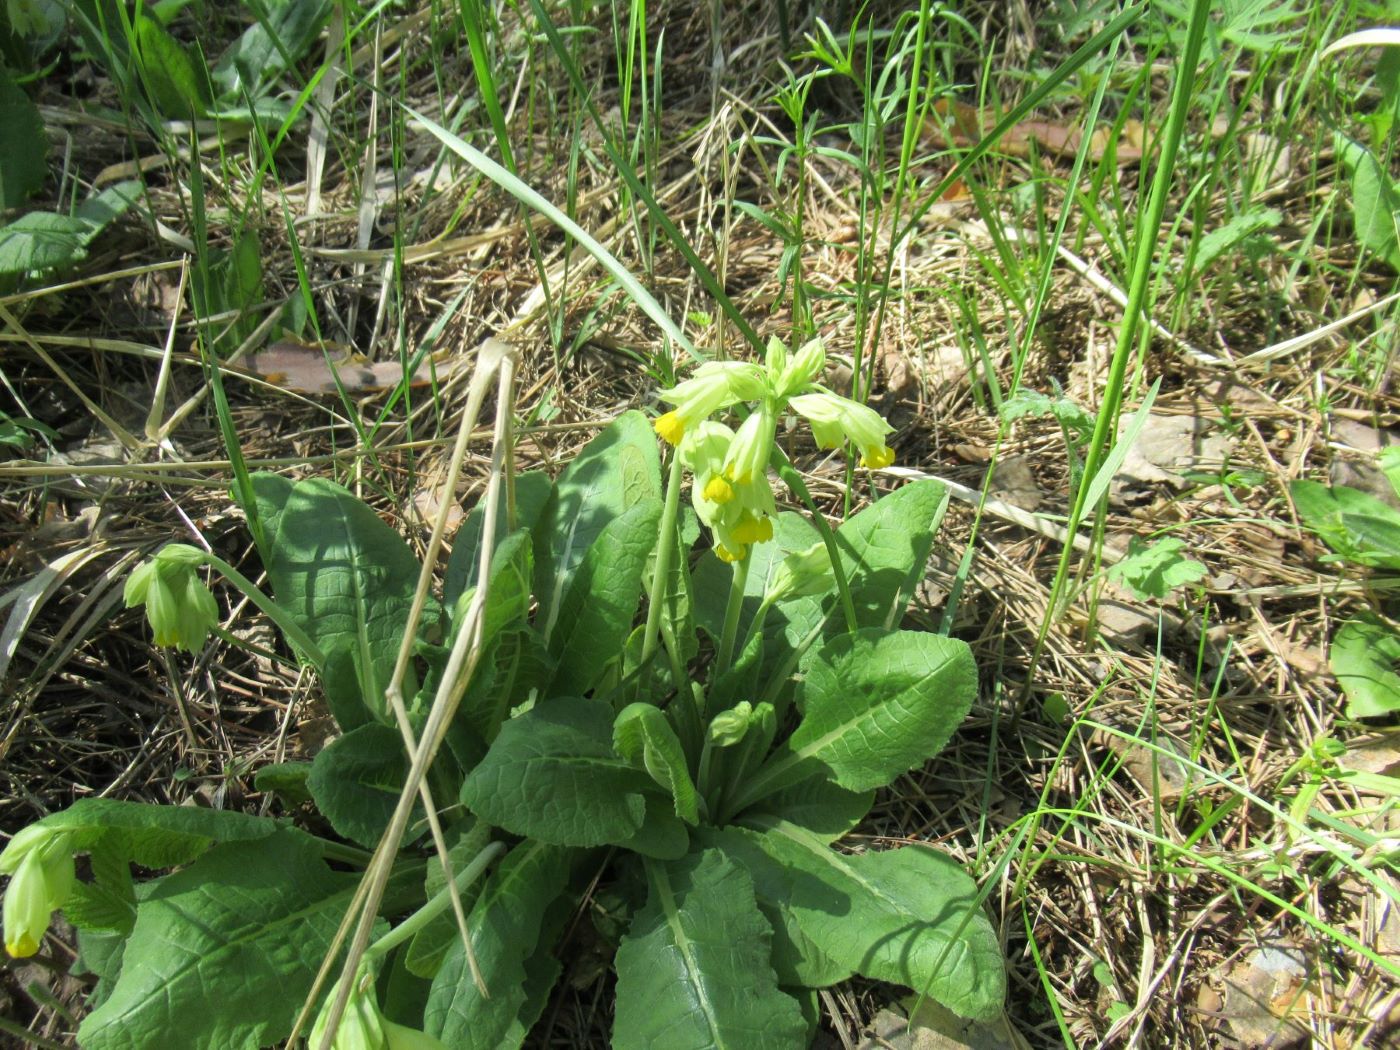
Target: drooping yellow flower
x,y
835,419
715,385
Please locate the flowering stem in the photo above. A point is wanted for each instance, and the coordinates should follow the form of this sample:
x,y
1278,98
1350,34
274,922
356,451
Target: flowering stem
x,y
274,612
732,609
436,906
665,543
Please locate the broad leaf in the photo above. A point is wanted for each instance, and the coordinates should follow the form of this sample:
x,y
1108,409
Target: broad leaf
x,y
875,704
1353,523
884,550
515,662
356,780
224,951
430,945
348,580
693,972
817,805
268,48
1365,655
176,88
796,958
596,614
644,737
1375,200
41,240
617,469
532,492
552,774
505,926
24,148
155,836
910,916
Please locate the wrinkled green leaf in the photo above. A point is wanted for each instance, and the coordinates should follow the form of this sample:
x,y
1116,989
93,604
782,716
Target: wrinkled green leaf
x,y
817,805
177,89
224,951
1375,200
515,662
532,491
617,469
910,916
505,927
552,774
155,836
693,972
1365,655
356,780
41,240
268,48
596,614
347,578
878,704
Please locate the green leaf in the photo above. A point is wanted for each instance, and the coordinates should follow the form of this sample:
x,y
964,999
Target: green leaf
x,y
155,836
877,704
224,951
1353,523
1375,200
108,902
431,944
1240,227
41,240
910,916
505,927
1155,570
596,614
552,774
24,148
885,548
693,970
356,779
347,578
644,737
532,491
269,47
817,805
176,88
617,469
796,958
515,662
1365,655
285,779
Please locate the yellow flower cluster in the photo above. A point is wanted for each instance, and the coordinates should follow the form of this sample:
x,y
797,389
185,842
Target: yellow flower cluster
x,y
732,494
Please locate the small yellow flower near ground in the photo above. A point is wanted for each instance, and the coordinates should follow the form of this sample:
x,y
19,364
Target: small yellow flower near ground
x,y
39,862
671,428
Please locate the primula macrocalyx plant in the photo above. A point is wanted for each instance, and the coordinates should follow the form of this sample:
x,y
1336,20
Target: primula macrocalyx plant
x,y
364,1027
179,606
40,865
732,494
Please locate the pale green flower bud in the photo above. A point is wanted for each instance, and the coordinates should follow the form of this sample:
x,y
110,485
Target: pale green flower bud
x,y
363,1026
801,573
802,370
749,452
728,727
39,862
179,607
776,359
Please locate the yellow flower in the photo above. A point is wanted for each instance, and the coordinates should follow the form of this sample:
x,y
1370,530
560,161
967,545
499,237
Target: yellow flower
x,y
715,385
718,489
836,418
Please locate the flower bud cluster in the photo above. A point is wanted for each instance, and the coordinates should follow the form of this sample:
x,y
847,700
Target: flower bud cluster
x,y
179,606
732,494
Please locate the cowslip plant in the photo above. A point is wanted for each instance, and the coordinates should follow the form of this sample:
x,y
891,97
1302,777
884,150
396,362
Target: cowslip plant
x,y
687,736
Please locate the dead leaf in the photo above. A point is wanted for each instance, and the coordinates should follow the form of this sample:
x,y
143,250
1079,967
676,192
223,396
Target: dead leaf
x,y
1266,997
1164,448
1013,482
966,125
314,370
934,1027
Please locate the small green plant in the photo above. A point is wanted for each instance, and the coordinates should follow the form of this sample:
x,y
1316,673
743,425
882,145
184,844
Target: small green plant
x,y
1154,570
696,764
1364,531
